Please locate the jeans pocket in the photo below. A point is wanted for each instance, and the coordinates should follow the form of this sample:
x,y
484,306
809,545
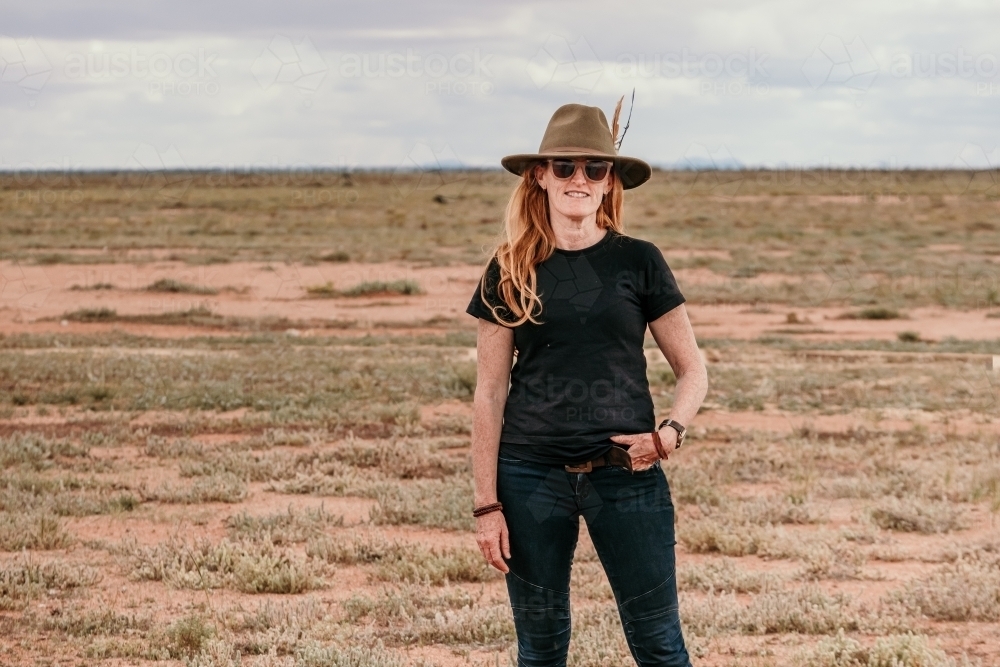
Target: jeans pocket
x,y
648,472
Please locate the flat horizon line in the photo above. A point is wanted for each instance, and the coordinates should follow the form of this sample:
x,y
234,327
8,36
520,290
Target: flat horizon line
x,y
471,168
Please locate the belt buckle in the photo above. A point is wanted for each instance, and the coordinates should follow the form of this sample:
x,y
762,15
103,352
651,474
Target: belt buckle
x,y
583,467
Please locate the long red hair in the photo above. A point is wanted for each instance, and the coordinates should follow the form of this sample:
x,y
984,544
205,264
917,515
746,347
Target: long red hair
x,y
528,240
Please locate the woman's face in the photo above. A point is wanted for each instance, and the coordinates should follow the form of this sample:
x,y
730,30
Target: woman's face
x,y
576,197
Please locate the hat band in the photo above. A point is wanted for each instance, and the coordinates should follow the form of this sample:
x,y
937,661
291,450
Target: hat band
x,y
576,150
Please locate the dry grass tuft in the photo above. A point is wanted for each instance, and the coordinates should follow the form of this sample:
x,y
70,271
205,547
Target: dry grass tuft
x,y
917,516
422,459
248,567
725,576
807,610
171,286
317,655
740,527
415,614
284,528
381,287
222,488
404,563
42,532
443,503
36,452
105,621
332,478
63,495
907,650
597,639
24,580
967,590
189,635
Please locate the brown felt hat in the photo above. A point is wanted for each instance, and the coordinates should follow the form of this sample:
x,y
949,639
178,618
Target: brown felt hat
x,y
578,131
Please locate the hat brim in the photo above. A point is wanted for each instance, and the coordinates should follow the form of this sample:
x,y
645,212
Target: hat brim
x,y
633,172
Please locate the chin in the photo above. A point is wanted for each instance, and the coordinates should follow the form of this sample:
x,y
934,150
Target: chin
x,y
579,210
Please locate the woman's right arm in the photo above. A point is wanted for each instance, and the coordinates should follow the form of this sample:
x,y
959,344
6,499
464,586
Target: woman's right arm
x,y
494,354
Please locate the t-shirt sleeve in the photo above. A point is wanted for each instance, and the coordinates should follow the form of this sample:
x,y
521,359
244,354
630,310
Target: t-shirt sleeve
x,y
660,293
477,306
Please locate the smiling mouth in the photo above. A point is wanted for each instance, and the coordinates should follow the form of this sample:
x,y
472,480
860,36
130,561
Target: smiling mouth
x,y
577,195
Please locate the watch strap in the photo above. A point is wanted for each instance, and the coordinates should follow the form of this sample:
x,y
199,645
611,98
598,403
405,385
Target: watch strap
x,y
681,431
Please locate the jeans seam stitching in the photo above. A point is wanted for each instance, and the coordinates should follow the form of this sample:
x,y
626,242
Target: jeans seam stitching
x,y
544,588
636,597
671,610
566,608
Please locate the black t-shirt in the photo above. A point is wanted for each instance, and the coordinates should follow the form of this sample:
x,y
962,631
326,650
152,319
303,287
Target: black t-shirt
x,y
580,376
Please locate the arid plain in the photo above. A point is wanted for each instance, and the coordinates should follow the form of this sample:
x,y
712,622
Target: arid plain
x,y
235,411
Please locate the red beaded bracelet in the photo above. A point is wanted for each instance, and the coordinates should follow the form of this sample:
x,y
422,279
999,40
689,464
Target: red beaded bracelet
x,y
486,509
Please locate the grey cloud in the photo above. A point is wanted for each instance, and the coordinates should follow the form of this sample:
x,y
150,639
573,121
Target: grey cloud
x,y
361,84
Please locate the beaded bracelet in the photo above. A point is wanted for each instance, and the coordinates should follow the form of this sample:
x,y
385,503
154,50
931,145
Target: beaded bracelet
x,y
486,509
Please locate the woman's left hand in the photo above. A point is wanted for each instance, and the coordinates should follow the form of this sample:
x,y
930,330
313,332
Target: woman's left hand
x,y
642,450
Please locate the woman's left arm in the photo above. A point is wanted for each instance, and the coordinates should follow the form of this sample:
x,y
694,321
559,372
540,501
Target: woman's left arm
x,y
675,337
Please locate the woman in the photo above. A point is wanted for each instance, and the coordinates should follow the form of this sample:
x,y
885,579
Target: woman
x,y
570,429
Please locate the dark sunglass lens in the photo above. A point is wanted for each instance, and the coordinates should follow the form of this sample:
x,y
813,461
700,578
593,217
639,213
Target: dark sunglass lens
x,y
563,168
596,171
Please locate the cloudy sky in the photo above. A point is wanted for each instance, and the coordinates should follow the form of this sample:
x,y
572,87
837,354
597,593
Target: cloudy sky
x,y
251,84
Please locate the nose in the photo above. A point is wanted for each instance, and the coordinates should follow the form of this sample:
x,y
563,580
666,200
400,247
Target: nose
x,y
578,177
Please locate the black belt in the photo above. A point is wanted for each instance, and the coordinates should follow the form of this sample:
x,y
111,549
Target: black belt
x,y
616,456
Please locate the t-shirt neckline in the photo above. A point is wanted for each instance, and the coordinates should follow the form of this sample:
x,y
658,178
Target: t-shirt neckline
x,y
591,248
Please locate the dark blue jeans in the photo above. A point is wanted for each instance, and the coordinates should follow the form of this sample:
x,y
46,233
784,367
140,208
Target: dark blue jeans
x,y
630,518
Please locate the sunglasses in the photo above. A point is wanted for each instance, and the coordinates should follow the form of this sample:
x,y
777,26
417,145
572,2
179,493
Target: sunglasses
x,y
594,170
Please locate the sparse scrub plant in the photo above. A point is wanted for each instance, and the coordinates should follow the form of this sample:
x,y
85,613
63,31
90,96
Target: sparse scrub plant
x,y
171,286
400,562
287,527
221,488
919,516
724,576
906,650
248,567
967,590
35,532
25,579
433,503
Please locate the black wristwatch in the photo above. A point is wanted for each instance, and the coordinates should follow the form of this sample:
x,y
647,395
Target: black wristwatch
x,y
681,431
